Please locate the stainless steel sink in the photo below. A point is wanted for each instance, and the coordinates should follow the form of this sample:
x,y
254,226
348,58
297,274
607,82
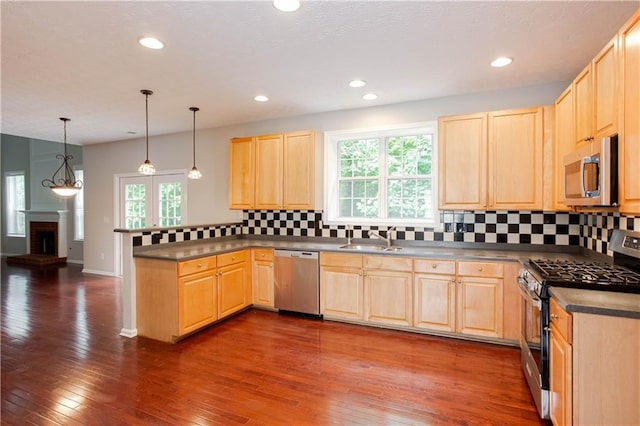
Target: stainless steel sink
x,y
358,247
368,247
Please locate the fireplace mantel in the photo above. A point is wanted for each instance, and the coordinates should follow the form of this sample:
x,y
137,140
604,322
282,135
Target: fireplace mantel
x,y
57,216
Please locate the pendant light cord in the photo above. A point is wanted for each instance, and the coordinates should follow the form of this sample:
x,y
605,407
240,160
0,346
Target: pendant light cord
x,y
194,137
146,105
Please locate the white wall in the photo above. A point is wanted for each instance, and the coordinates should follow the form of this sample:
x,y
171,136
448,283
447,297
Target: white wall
x,y
208,197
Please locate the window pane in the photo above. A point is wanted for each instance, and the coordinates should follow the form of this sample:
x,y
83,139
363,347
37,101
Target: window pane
x,y
170,204
359,157
134,206
409,155
15,188
78,209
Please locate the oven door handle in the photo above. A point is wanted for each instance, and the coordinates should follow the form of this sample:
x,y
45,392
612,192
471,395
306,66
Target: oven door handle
x,y
524,291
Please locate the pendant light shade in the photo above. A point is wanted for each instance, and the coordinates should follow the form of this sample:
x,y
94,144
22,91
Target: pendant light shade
x,y
194,173
63,182
147,168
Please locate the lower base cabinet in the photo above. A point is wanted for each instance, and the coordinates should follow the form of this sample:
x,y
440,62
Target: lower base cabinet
x,y
594,368
263,278
174,299
341,286
388,297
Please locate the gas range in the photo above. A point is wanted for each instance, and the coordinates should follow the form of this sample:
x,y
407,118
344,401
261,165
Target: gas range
x,y
623,275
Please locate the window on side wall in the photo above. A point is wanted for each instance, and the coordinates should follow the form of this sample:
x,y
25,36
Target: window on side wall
x,y
382,176
15,204
78,209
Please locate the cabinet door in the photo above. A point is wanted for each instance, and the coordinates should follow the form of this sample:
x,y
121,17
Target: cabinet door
x,y
630,132
582,106
341,292
462,152
388,297
515,159
231,289
241,173
298,173
560,378
564,143
268,176
605,95
435,301
197,301
479,307
263,283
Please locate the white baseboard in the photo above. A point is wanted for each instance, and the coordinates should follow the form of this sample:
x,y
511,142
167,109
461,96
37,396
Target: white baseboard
x,y
129,332
97,272
75,262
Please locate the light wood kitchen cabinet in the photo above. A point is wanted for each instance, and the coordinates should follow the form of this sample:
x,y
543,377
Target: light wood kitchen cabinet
x,y
388,290
594,368
435,294
560,365
234,282
268,174
480,299
596,96
299,170
492,160
564,143
629,140
263,278
174,299
198,301
515,159
341,286
273,172
462,153
241,173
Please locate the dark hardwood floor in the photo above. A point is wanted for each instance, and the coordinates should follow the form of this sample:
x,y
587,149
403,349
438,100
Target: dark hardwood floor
x,y
63,362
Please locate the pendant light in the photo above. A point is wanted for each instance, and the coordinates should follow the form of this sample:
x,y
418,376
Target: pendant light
x,y
194,173
63,182
147,168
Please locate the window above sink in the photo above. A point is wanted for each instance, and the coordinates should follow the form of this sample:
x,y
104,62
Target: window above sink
x,y
383,176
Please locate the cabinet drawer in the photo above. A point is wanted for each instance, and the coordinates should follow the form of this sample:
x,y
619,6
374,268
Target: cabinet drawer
x,y
481,269
345,260
196,265
431,266
561,319
263,254
390,263
231,258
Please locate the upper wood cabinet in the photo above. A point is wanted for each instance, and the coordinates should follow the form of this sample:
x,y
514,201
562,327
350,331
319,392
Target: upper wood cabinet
x,y
462,153
595,96
564,143
273,171
241,173
515,159
269,160
491,160
629,140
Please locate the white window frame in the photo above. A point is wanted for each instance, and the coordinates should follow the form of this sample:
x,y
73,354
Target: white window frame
x,y
331,178
12,213
78,208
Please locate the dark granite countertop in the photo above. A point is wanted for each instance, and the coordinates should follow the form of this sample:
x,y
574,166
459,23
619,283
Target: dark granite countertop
x,y
478,252
597,302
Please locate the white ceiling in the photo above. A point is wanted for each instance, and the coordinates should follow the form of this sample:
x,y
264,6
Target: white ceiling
x,y
82,60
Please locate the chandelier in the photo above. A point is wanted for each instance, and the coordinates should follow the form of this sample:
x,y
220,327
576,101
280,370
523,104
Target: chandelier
x,y
63,182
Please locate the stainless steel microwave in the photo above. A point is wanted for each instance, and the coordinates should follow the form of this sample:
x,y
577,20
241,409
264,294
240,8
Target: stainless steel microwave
x,y
591,174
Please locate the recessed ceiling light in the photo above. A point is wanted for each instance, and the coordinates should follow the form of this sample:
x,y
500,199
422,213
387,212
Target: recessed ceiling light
x,y
287,5
261,98
370,96
357,83
151,43
502,61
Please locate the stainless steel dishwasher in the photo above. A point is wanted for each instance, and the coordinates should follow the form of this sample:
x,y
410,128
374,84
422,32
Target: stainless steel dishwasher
x,y
297,281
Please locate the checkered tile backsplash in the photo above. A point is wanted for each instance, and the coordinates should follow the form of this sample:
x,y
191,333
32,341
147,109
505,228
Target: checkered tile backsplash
x,y
174,235
590,230
508,227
